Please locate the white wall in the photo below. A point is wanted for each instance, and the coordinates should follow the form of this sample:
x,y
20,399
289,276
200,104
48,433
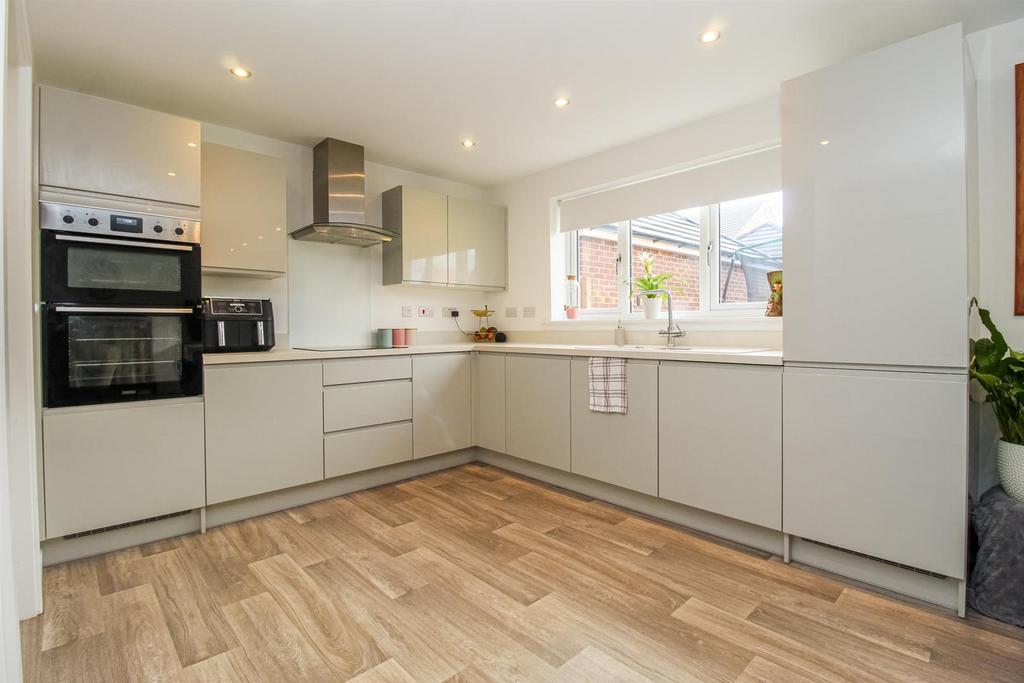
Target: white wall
x,y
994,53
531,243
332,294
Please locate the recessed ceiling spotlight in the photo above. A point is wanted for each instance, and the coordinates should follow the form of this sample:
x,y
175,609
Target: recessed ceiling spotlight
x,y
824,142
192,144
241,72
710,36
468,143
561,102
171,173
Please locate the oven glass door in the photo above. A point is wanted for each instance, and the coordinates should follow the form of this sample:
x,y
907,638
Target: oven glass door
x,y
105,355
109,270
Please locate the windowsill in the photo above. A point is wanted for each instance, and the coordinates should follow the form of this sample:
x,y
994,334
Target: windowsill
x,y
726,320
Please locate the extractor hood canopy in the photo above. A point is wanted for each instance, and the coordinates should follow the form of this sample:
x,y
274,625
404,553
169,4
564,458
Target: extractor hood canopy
x,y
339,198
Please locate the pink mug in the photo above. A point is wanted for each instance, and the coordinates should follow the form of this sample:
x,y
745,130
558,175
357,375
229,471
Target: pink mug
x,y
398,337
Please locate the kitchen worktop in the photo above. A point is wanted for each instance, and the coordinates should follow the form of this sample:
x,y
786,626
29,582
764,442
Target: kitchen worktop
x,y
708,354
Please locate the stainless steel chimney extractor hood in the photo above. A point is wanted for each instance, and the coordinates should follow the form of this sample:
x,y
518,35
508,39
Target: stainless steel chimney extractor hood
x,y
339,198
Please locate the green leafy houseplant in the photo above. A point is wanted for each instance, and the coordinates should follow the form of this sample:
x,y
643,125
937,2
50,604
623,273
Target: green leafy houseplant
x,y
649,281
1000,372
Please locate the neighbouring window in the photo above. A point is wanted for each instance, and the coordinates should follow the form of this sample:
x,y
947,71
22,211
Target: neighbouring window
x,y
749,246
742,237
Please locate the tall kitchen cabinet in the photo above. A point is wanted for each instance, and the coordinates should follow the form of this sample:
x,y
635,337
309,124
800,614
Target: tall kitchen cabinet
x,y
90,144
876,336
243,213
443,240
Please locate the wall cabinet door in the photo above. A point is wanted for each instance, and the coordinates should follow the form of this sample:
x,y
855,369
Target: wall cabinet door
x,y
109,465
477,244
721,439
264,428
243,211
876,462
442,409
615,448
489,401
880,211
537,392
98,145
420,253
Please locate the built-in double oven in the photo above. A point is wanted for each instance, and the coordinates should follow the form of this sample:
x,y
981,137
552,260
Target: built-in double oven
x,y
120,295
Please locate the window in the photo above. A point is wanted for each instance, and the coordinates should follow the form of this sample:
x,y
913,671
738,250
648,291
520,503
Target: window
x,y
749,246
742,238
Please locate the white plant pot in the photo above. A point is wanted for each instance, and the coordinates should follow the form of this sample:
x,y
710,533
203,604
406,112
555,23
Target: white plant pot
x,y
652,307
1010,465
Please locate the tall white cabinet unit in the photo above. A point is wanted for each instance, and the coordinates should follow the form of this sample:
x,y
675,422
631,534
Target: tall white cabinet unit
x,y
875,340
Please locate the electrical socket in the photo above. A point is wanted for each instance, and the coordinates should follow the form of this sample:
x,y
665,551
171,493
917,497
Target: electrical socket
x,y
406,311
511,312
448,312
426,312
529,311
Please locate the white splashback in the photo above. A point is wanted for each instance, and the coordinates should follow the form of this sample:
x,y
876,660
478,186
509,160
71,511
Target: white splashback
x,y
329,294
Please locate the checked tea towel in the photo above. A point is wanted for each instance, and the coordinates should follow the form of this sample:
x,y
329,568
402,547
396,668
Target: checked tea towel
x,y
607,385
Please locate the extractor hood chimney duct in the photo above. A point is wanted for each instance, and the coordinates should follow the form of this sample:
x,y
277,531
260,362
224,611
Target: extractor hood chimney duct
x,y
339,198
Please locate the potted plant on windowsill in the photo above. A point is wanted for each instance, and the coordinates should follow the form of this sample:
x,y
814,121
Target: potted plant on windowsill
x,y
650,282
1000,372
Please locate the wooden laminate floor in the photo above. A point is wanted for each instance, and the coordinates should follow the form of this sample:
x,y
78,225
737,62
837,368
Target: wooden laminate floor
x,y
474,574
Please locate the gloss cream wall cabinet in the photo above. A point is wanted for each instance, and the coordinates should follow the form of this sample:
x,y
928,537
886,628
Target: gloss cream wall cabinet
x,y
443,240
243,213
91,144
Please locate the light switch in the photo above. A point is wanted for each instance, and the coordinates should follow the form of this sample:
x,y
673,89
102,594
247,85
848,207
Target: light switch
x,y
511,312
529,311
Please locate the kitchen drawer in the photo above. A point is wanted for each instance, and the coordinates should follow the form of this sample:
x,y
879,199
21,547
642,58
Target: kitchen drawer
x,y
354,370
361,405
366,448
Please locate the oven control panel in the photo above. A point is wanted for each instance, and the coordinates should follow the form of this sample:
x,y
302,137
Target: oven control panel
x,y
112,222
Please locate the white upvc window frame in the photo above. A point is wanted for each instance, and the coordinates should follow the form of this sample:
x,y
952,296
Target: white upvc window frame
x,y
710,275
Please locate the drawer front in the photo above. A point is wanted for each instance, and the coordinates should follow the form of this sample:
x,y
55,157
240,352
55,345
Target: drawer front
x,y
362,405
364,449
354,370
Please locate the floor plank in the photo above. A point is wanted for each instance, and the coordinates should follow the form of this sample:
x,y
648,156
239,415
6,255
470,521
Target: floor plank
x,y
475,574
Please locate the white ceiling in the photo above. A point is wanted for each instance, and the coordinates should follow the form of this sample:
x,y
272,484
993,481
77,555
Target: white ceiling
x,y
409,79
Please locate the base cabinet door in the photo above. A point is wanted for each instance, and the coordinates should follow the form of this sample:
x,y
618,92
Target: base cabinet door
x,y
108,465
442,403
489,401
876,462
537,392
720,439
612,447
264,428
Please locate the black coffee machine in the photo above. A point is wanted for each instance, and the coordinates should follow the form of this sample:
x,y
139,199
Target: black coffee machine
x,y
237,325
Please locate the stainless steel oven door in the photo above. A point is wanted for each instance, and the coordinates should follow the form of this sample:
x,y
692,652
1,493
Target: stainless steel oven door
x,y
98,354
90,269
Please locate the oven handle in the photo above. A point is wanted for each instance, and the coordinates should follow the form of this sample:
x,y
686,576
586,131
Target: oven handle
x,y
125,243
113,309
